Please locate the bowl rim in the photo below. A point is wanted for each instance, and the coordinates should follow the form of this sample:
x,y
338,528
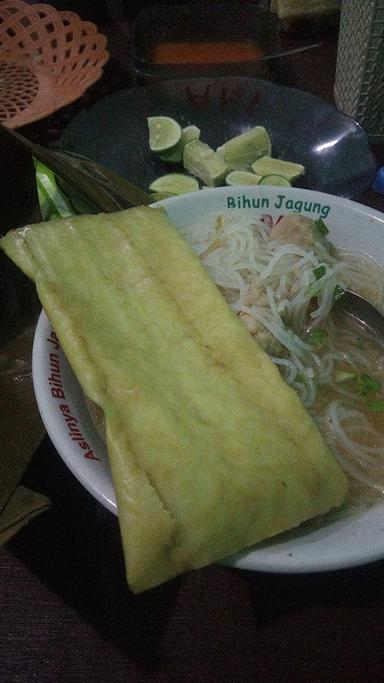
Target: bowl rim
x,y
50,417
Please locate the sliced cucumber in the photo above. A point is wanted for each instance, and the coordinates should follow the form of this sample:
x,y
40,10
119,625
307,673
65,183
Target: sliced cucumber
x,y
241,152
174,183
175,154
242,178
269,166
274,179
203,162
164,133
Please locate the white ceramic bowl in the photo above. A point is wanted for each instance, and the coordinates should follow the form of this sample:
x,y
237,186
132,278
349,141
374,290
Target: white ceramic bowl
x,y
345,539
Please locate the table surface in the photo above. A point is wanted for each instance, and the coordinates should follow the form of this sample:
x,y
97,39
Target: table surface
x,y
66,613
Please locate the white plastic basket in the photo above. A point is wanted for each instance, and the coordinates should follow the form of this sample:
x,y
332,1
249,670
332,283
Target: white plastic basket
x,y
359,82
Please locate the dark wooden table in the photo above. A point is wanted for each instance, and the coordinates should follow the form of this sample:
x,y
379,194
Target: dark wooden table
x,y
66,613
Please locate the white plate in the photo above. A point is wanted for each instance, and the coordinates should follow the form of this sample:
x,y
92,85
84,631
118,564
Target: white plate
x,y
343,539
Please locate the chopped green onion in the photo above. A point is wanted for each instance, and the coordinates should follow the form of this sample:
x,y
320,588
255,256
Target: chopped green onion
x,y
319,272
376,406
368,385
322,228
315,286
317,337
53,203
337,293
300,378
345,376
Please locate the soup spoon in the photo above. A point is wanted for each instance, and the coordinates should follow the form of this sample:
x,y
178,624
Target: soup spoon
x,y
360,311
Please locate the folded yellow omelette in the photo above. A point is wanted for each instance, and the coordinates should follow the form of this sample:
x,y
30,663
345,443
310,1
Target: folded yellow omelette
x,y
210,450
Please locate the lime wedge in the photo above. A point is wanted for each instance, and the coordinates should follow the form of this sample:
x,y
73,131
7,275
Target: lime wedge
x,y
174,183
273,179
269,166
190,133
175,154
164,133
241,151
242,178
157,196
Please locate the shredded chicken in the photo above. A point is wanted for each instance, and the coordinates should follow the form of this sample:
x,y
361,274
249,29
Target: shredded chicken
x,y
265,338
294,229
256,295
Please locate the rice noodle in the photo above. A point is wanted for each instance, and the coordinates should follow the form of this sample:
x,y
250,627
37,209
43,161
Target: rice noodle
x,y
285,288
